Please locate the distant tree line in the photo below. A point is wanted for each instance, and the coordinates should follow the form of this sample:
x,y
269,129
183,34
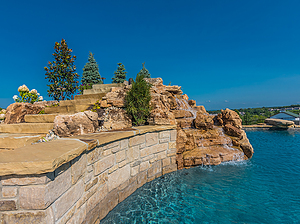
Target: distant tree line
x,y
258,115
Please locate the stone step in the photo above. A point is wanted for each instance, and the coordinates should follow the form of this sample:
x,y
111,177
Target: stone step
x,y
77,102
182,113
107,86
28,128
102,88
92,97
40,118
66,109
13,141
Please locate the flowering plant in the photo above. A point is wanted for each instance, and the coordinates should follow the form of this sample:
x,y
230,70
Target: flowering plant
x,y
27,96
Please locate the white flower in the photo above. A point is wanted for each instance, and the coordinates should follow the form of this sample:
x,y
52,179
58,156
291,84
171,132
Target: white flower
x,y
33,91
15,97
40,98
23,88
38,94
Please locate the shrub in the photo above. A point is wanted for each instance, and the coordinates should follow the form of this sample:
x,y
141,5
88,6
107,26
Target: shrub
x,y
137,101
86,86
27,96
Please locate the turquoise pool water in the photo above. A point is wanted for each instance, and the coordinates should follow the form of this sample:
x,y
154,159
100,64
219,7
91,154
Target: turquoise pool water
x,y
265,189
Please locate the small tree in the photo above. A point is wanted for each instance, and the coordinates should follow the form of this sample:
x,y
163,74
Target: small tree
x,y
145,72
120,74
91,73
137,101
61,73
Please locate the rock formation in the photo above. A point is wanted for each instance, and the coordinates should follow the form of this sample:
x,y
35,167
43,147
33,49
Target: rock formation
x,y
279,123
15,112
202,139
76,124
114,118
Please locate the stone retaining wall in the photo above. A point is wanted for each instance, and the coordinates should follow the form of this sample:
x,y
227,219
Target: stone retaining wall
x,y
86,188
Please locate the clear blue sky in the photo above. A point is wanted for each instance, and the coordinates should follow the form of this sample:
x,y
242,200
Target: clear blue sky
x,y
232,54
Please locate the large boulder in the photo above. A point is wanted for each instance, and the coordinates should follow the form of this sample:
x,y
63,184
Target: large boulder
x,y
245,145
232,131
161,117
76,124
161,105
115,118
116,97
279,123
228,116
16,112
203,121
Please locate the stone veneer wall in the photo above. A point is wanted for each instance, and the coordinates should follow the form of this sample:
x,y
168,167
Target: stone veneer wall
x,y
85,189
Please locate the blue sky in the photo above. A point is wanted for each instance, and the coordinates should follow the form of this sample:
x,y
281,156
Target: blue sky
x,y
234,54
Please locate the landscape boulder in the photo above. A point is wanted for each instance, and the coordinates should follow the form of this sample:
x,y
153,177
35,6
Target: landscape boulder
x,y
76,124
16,112
279,123
114,118
228,116
116,97
232,131
203,121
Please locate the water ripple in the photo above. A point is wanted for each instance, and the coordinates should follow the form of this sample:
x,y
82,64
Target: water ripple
x,y
264,189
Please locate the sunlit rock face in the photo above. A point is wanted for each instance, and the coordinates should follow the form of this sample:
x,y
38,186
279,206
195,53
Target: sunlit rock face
x,y
212,140
279,123
202,139
15,113
76,124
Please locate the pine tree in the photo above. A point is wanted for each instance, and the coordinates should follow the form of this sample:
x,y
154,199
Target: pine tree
x,y
144,72
61,73
137,101
120,74
91,73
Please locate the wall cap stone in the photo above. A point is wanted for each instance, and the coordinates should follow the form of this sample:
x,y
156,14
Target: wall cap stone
x,y
46,157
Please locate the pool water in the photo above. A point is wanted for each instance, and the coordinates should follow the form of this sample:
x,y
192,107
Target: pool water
x,y
265,189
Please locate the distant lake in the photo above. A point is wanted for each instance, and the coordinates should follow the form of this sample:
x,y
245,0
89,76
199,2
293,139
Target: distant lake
x,y
265,189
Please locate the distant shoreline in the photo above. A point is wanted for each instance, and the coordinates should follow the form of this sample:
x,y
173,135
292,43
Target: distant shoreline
x,y
265,127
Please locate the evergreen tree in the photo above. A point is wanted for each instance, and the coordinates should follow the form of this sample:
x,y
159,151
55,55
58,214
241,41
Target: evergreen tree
x,y
144,72
120,74
137,101
61,73
91,73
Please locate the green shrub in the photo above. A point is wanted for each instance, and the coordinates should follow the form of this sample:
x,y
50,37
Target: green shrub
x,y
85,86
137,100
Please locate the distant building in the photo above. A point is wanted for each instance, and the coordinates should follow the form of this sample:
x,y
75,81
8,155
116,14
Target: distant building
x,y
287,115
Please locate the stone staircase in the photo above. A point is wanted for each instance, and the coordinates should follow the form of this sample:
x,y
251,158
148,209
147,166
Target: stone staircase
x,y
37,126
102,88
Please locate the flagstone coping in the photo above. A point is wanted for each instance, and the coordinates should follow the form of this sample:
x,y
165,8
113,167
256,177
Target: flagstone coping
x,y
46,157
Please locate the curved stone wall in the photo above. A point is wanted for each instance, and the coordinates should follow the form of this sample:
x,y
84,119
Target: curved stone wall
x,y
88,178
